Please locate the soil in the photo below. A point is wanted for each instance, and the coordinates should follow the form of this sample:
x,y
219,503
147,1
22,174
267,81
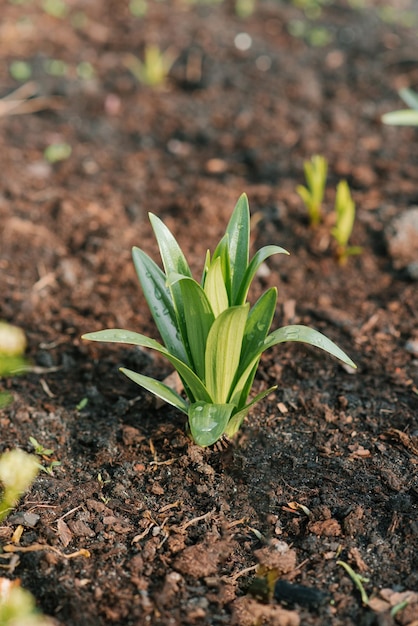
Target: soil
x,y
325,469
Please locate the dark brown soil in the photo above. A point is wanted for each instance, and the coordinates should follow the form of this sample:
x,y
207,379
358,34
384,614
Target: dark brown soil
x,y
174,531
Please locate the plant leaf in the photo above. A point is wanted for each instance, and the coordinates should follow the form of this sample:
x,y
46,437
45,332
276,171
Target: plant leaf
x,y
256,330
410,97
192,382
236,420
260,256
238,231
257,326
215,289
223,350
199,318
160,302
208,421
405,117
346,211
305,194
158,388
310,336
222,252
171,254
174,261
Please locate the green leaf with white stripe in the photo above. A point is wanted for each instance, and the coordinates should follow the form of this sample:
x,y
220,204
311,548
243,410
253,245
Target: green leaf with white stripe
x,y
198,317
250,272
223,349
160,302
238,232
215,289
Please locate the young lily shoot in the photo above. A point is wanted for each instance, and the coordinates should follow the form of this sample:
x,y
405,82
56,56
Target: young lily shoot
x,y
210,333
345,211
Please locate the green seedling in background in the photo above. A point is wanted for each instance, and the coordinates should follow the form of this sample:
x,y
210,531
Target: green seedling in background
x,y
316,36
20,70
55,67
311,8
12,342
211,335
404,117
18,606
82,404
44,453
12,359
17,472
154,69
138,8
244,8
57,152
85,70
313,194
357,580
345,211
55,8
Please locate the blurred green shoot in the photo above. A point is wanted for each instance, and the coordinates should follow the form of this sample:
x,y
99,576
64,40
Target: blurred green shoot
x,y
311,8
404,117
244,8
313,194
345,211
18,606
154,69
55,8
12,348
17,472
57,152
20,70
138,8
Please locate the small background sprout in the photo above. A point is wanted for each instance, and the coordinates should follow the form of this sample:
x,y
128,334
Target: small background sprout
x,y
211,334
154,69
345,212
404,117
313,194
17,472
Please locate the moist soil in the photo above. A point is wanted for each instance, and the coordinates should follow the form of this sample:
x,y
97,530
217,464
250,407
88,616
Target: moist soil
x,y
323,470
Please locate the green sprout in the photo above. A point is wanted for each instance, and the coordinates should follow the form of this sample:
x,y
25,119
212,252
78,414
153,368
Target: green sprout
x,y
17,472
404,117
20,70
56,8
44,453
211,335
18,606
313,194
55,152
138,8
12,358
357,580
345,211
82,404
154,69
311,8
244,8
